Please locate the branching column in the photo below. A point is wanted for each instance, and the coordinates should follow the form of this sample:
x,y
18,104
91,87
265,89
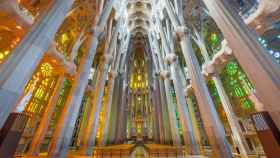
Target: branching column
x,y
194,120
257,64
182,106
159,94
88,141
157,132
180,95
66,123
112,78
107,111
42,129
171,110
122,110
238,138
26,56
114,113
213,125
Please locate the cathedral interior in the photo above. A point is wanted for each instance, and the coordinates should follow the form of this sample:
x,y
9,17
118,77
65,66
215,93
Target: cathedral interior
x,y
139,78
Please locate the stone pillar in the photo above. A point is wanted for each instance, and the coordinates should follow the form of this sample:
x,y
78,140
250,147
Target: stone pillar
x,y
180,96
111,99
107,112
85,110
129,117
124,119
213,125
196,131
164,111
66,123
159,101
158,118
64,130
88,141
237,135
155,93
40,133
122,108
171,110
115,103
117,93
129,120
182,106
26,56
166,79
262,71
155,125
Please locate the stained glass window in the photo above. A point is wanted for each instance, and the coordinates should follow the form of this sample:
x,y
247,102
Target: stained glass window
x,y
238,88
42,86
64,93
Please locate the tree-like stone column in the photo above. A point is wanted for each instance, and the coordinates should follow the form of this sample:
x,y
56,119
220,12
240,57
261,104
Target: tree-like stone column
x,y
165,113
112,77
165,76
182,106
259,66
107,112
64,129
238,137
157,99
42,129
114,113
212,123
194,120
180,96
24,59
88,141
120,134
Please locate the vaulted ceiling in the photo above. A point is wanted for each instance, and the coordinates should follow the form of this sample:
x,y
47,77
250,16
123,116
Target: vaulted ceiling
x,y
138,19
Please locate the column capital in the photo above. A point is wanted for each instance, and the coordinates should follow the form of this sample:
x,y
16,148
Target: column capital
x,y
188,90
157,73
182,31
165,74
121,72
113,73
107,58
171,58
89,90
209,69
96,31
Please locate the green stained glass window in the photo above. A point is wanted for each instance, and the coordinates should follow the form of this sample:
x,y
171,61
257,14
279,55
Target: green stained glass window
x,y
238,91
238,86
232,68
214,38
214,93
